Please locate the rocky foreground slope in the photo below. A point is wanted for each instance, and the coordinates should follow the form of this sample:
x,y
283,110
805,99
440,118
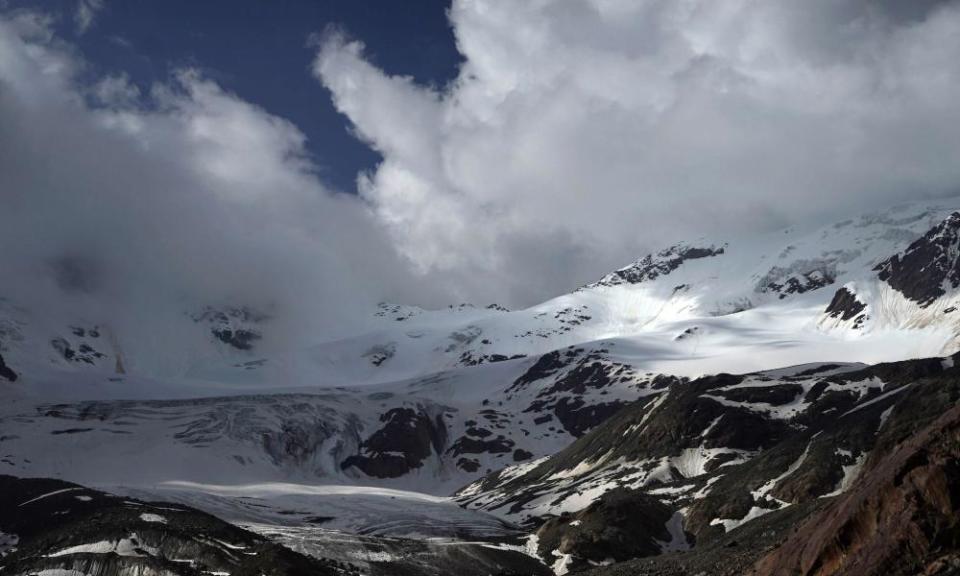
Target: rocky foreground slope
x,y
53,528
825,469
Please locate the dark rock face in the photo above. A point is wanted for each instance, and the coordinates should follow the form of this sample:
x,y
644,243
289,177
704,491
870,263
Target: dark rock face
x,y
578,418
241,339
662,263
929,264
902,517
6,371
773,395
566,377
407,438
82,351
234,326
467,445
469,358
620,525
749,458
519,455
53,520
846,306
803,276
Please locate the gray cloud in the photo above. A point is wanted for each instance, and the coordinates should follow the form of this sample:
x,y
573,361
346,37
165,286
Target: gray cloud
x,y
581,133
578,136
139,207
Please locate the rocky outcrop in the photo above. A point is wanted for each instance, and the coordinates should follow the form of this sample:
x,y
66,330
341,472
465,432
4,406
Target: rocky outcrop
x,y
800,277
620,525
662,263
64,528
6,372
407,438
237,327
734,453
571,386
846,306
929,266
901,517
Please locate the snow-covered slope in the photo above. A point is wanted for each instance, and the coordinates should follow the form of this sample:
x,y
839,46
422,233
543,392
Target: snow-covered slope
x,y
433,434
433,399
693,308
691,301
219,398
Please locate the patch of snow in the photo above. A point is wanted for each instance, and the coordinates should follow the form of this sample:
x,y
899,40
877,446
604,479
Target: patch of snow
x,y
883,417
850,473
49,494
761,494
879,398
562,564
129,546
678,538
371,556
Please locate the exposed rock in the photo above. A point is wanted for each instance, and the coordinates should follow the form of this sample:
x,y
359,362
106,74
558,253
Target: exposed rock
x,y
64,527
466,445
928,266
620,525
234,326
565,377
407,438
82,353
902,517
380,353
800,277
519,455
241,339
846,306
662,263
6,371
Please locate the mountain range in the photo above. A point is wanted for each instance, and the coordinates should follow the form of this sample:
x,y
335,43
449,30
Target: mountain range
x,y
774,404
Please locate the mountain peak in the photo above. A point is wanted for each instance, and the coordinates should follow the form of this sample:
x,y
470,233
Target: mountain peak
x,y
652,266
929,267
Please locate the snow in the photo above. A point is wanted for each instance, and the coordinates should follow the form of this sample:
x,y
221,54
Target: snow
x,y
148,517
48,494
693,462
130,546
562,564
761,494
186,422
883,417
357,509
850,473
879,398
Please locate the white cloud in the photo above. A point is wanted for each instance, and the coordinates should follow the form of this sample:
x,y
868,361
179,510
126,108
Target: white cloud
x,y
86,13
139,206
580,133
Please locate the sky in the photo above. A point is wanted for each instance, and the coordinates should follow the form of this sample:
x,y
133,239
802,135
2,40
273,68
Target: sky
x,y
317,157
260,50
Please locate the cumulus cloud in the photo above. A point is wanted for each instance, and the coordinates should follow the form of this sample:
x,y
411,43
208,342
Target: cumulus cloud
x,y
141,204
581,133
